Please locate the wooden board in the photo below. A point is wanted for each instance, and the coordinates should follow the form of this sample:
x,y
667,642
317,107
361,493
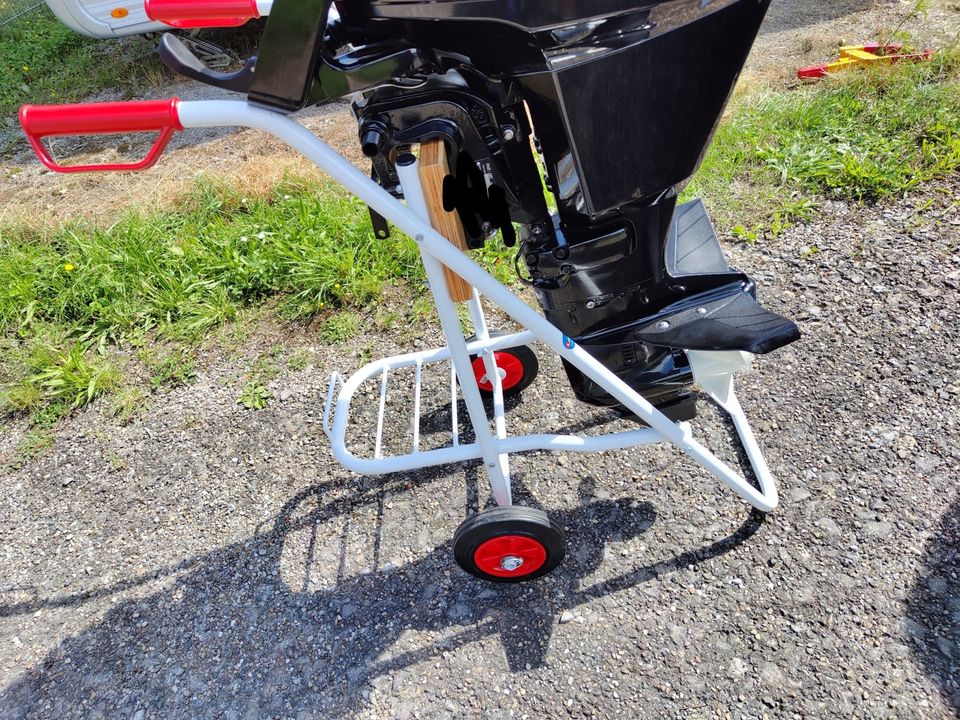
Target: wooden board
x,y
434,167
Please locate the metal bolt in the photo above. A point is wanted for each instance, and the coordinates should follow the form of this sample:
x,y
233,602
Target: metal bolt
x,y
663,325
701,311
508,133
591,305
511,563
418,237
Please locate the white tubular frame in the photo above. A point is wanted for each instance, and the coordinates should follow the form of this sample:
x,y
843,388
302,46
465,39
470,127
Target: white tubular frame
x,y
492,446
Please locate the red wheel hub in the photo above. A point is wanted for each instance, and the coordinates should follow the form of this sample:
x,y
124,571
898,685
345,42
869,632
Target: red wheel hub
x,y
507,363
510,556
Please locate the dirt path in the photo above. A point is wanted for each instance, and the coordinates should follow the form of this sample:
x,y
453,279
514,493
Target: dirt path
x,y
796,33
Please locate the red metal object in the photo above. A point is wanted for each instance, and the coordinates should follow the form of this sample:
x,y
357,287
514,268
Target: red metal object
x,y
510,364
510,556
186,14
42,121
861,55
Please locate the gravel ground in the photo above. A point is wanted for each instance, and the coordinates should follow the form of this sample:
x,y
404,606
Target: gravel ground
x,y
209,561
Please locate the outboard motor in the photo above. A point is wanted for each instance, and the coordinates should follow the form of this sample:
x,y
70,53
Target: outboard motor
x,y
618,98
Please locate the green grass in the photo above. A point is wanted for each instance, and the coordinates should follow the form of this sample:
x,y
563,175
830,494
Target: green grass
x,y
176,368
299,360
42,61
128,402
34,444
161,282
69,294
860,136
49,382
178,274
340,328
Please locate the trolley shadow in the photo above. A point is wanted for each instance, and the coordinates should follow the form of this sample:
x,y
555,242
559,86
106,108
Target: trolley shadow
x,y
933,609
230,636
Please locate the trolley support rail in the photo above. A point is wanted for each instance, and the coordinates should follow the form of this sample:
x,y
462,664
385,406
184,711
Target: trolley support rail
x,y
713,371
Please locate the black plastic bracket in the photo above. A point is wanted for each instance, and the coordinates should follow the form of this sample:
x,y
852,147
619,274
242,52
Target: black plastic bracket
x,y
179,58
380,227
289,54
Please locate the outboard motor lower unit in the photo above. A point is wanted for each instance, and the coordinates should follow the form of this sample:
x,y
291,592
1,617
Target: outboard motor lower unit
x,y
620,99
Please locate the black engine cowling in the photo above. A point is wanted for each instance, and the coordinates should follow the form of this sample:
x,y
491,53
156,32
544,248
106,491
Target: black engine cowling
x,y
621,98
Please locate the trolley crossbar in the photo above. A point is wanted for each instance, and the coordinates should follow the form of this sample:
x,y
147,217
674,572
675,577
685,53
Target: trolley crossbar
x,y
437,253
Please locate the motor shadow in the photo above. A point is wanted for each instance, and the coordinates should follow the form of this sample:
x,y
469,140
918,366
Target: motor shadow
x,y
230,637
933,609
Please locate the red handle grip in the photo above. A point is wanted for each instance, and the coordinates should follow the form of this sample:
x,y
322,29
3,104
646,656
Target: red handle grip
x,y
41,121
185,14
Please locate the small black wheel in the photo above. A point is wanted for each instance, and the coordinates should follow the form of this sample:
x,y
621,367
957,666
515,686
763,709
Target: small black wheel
x,y
518,368
509,544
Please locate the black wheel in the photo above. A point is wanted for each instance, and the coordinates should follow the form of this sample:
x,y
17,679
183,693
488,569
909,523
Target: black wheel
x,y
509,544
517,365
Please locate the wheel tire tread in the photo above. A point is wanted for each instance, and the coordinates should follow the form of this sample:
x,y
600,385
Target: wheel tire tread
x,y
506,520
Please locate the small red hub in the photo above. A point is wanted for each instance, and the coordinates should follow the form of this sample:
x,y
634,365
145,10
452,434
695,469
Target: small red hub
x,y
510,556
506,362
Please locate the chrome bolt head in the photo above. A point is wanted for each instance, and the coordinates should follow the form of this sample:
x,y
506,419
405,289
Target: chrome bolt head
x,y
663,325
511,563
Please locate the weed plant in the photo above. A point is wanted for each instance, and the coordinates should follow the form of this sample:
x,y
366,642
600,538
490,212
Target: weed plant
x,y
42,60
860,135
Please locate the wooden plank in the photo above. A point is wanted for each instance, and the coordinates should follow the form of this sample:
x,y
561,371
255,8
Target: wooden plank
x,y
434,167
